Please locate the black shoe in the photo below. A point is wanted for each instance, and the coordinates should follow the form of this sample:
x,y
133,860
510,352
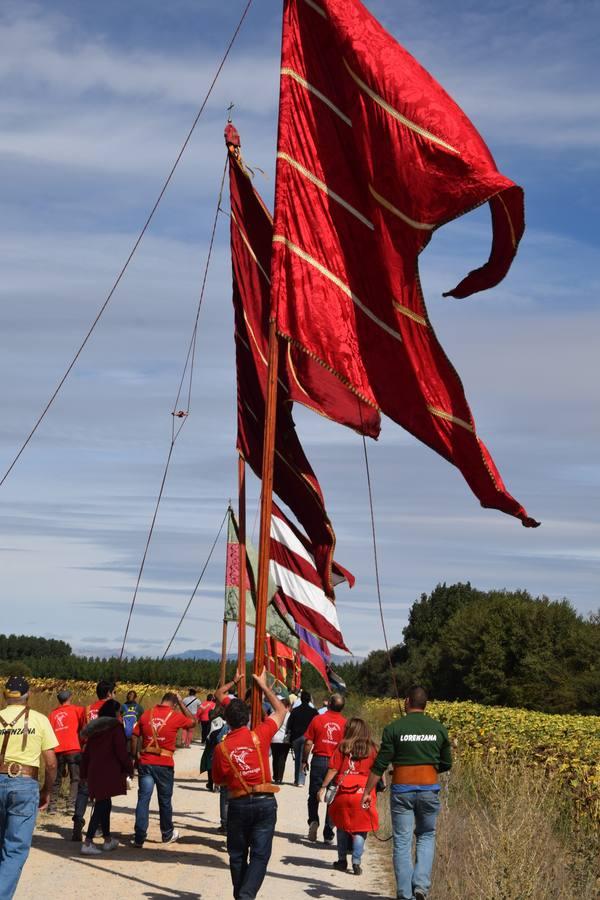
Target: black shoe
x,y
341,865
77,834
420,894
328,838
356,869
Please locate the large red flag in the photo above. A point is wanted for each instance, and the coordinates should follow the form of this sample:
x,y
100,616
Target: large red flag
x,y
294,479
373,156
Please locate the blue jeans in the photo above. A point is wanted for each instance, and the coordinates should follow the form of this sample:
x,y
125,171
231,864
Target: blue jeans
x,y
149,776
223,805
351,843
318,771
250,827
297,748
414,812
19,801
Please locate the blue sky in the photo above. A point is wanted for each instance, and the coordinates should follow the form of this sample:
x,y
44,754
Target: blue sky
x,y
95,101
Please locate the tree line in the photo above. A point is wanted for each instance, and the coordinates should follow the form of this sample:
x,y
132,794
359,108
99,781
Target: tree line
x,y
498,647
503,648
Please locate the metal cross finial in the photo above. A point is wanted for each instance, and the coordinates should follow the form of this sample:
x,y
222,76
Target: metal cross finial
x,y
229,108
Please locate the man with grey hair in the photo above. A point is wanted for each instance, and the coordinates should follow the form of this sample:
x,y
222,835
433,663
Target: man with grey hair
x,y
25,737
322,736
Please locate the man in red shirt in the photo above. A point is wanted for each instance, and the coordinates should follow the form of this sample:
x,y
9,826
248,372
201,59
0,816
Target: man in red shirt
x,y
67,721
204,711
322,736
241,761
105,690
156,732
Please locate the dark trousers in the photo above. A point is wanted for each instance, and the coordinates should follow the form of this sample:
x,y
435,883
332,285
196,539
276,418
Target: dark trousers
x,y
100,818
81,802
318,770
250,828
223,805
297,748
279,753
67,764
163,778
204,728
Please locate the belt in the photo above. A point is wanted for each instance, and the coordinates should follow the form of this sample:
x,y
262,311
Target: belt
x,y
254,790
424,774
14,769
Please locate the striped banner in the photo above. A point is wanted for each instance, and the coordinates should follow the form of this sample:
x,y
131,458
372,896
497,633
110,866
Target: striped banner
x,y
293,570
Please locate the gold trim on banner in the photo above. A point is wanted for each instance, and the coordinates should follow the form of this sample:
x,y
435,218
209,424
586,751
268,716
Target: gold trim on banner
x,y
409,313
393,209
325,188
510,224
316,8
450,418
313,90
249,246
400,118
280,239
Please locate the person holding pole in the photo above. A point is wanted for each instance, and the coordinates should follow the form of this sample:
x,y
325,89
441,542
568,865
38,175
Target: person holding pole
x,y
241,761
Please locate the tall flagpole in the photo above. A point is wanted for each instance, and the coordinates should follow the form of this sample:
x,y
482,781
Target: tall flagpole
x,y
242,577
223,654
266,504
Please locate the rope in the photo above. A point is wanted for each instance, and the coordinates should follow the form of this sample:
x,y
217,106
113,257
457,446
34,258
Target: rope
x,y
193,594
377,581
132,251
177,429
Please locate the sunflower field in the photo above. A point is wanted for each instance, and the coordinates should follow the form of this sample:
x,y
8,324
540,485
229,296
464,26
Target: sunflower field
x,y
566,748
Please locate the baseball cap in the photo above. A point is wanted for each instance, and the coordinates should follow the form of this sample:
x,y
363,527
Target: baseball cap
x,y
16,686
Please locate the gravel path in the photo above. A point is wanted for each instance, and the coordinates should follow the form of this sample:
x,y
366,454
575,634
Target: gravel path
x,y
197,866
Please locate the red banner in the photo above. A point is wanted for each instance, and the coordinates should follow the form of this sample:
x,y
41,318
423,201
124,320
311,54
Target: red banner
x,y
373,156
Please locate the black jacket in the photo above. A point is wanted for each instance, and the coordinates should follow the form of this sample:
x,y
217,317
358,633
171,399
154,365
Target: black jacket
x,y
299,720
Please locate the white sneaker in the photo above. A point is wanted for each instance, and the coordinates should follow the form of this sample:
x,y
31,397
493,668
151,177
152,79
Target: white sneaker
x,y
110,845
129,782
173,839
90,850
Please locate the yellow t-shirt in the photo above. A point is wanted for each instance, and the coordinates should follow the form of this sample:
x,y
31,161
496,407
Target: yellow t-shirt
x,y
40,736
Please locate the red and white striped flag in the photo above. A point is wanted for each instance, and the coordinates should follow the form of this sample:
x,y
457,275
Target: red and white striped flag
x,y
293,570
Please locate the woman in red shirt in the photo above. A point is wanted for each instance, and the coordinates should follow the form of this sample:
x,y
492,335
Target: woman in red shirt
x,y
350,766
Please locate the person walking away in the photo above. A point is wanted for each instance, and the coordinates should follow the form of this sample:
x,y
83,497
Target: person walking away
x,y
105,690
191,704
156,733
349,768
66,720
130,713
25,736
241,761
280,746
300,718
203,715
105,764
419,749
322,736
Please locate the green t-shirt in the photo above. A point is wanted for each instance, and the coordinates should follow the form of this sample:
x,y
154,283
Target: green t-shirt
x,y
414,740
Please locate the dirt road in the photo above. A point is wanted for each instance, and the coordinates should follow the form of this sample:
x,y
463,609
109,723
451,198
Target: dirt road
x,y
197,866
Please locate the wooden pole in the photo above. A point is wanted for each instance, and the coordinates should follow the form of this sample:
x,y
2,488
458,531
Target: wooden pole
x,y
224,653
242,578
266,503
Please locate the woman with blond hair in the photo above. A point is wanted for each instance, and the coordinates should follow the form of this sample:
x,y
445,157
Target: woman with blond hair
x,y
349,769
